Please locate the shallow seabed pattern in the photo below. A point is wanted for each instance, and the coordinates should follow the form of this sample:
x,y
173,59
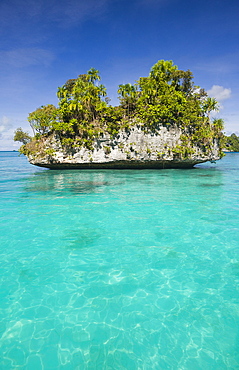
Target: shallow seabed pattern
x,y
119,269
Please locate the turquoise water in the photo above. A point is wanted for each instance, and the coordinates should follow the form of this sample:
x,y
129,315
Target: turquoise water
x,y
119,269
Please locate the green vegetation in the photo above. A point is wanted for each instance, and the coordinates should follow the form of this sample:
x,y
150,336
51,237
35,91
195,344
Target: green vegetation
x,y
166,97
232,143
21,136
43,119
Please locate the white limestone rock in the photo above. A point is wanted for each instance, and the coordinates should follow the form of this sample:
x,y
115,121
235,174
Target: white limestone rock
x,y
133,148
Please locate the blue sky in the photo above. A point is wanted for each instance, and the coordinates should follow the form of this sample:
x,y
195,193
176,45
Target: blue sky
x,y
46,42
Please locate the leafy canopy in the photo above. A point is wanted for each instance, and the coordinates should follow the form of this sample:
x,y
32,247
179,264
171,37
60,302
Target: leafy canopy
x,y
21,136
43,118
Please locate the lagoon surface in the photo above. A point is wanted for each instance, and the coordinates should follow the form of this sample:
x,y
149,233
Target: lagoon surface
x,y
133,269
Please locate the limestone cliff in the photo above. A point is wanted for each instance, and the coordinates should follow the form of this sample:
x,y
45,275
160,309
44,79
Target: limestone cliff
x,y
165,147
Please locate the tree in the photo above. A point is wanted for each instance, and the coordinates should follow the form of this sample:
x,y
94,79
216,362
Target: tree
x,y
167,96
21,136
43,118
209,105
93,75
81,98
218,124
128,95
163,71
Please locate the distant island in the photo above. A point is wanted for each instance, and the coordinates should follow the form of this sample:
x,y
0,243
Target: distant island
x,y
232,143
162,121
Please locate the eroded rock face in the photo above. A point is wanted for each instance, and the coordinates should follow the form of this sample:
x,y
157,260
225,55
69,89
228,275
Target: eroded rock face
x,y
129,149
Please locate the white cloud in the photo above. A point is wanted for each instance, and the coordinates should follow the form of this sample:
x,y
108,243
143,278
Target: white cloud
x,y
6,133
8,125
5,124
64,13
75,11
220,93
25,57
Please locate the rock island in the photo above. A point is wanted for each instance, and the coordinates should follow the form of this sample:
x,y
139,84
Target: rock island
x,y
162,121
